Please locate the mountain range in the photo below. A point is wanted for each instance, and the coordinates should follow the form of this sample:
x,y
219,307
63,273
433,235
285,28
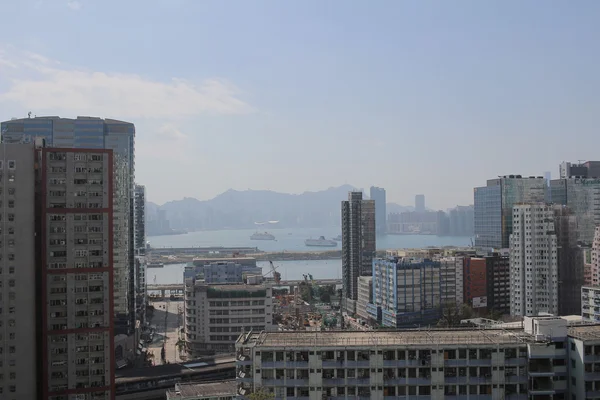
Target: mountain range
x,y
242,209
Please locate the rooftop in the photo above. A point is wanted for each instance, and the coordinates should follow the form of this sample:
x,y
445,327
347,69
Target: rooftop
x,y
212,389
585,332
387,338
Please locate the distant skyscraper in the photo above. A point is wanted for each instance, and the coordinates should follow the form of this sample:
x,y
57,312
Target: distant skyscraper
x,y
494,203
97,133
461,221
420,203
378,194
582,196
533,260
358,244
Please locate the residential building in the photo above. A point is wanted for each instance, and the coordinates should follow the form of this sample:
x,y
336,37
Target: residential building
x,y
215,315
475,283
595,258
498,283
420,203
584,372
405,292
358,245
533,261
417,222
495,363
590,303
570,261
443,224
76,267
451,280
582,196
225,390
378,195
222,269
139,207
588,169
587,266
494,203
461,221
97,133
19,284
365,294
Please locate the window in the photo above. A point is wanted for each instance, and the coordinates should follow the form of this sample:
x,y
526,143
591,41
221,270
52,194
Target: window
x,y
12,164
11,204
11,217
11,191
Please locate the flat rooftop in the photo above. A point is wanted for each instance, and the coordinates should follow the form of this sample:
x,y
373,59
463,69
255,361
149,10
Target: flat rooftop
x,y
585,332
385,338
212,389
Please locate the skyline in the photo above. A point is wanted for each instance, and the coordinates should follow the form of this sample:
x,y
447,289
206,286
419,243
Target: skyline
x,y
301,97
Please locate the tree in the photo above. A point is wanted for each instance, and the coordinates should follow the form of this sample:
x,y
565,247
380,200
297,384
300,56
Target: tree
x,y
326,298
260,394
452,314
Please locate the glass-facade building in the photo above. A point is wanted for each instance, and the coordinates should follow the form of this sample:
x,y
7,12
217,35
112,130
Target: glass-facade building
x,y
98,133
406,292
582,196
494,203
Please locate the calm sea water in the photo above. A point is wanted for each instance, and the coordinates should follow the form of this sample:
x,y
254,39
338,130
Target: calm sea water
x,y
293,239
287,240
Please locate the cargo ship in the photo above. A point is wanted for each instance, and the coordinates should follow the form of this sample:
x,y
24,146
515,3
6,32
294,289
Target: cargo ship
x,y
320,242
262,236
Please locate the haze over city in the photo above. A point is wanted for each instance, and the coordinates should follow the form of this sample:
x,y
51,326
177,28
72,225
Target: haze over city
x,y
416,97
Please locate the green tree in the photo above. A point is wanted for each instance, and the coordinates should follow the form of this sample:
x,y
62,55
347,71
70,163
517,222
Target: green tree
x,y
452,315
326,298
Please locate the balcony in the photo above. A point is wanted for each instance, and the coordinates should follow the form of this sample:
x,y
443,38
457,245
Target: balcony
x,y
273,382
296,382
334,382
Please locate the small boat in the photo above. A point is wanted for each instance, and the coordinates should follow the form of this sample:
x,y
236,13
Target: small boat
x,y
262,236
320,242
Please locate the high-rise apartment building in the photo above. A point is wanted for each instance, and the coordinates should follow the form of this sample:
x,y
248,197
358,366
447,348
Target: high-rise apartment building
x,y
365,294
461,221
139,208
498,283
533,260
378,195
405,292
140,218
595,259
19,309
97,133
582,196
358,245
76,214
420,203
494,203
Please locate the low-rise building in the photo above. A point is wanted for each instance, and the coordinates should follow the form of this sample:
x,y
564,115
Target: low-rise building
x,y
496,363
215,315
203,391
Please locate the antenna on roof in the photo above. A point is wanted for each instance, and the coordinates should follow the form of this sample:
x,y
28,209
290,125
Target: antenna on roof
x,y
29,114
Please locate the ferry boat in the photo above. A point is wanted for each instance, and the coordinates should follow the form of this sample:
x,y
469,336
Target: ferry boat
x,y
320,242
338,238
262,236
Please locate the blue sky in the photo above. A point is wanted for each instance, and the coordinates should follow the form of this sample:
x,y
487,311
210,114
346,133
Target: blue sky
x,y
428,97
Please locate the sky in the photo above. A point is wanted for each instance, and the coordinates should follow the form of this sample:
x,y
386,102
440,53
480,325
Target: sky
x,y
431,97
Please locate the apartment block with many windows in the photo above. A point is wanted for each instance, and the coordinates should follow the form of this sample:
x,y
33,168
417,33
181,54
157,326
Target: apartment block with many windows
x,y
19,312
76,243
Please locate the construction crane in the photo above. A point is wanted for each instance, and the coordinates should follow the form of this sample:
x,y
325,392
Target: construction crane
x,y
276,275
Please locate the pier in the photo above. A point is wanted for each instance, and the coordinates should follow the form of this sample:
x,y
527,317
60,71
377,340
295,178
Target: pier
x,y
178,288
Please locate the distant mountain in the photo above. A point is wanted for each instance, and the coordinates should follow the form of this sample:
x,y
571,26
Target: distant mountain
x,y
242,209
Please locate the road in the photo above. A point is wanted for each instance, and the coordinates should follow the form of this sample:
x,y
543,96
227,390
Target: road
x,y
168,322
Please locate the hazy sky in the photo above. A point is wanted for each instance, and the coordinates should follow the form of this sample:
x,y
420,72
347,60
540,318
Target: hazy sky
x,y
428,97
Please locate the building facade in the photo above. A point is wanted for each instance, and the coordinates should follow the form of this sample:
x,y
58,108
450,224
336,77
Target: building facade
x,y
494,203
532,362
595,259
588,169
97,133
461,221
451,280
215,315
590,303
420,203
533,261
498,283
77,273
358,245
582,196
378,195
365,295
19,305
405,292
